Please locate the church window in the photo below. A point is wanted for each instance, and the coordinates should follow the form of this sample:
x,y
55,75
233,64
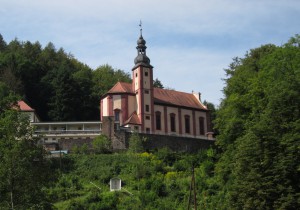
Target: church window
x,y
146,73
147,108
158,120
187,123
146,91
147,130
173,123
117,115
201,125
147,117
135,74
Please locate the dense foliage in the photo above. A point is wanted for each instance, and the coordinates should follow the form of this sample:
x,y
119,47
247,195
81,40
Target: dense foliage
x,y
158,180
24,168
57,85
259,131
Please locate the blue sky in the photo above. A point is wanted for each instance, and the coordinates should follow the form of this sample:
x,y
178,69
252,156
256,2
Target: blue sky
x,y
190,42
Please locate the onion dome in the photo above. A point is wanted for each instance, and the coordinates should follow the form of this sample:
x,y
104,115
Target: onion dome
x,y
141,58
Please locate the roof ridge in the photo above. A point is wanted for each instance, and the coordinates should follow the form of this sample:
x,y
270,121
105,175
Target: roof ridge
x,y
172,90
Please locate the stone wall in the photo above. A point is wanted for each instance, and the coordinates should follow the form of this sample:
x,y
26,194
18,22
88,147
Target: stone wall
x,y
175,143
120,141
68,144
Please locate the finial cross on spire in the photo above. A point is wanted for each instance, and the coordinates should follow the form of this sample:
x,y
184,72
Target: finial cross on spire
x,y
140,25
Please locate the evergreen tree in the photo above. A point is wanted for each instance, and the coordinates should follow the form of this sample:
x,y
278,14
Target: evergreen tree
x,y
157,83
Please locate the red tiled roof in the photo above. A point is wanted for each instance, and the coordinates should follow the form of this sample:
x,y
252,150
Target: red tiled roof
x,y
24,107
133,119
163,96
121,87
172,97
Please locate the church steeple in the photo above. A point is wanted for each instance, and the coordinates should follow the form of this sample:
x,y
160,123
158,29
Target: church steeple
x,y
141,58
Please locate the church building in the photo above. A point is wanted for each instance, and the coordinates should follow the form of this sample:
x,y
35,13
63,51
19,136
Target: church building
x,y
140,107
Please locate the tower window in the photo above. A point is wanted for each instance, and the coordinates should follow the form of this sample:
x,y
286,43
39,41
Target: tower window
x,y
147,108
187,123
146,91
135,74
201,125
147,117
117,115
173,124
146,73
158,120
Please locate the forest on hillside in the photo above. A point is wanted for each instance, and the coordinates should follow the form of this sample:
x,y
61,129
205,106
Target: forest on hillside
x,y
255,164
53,82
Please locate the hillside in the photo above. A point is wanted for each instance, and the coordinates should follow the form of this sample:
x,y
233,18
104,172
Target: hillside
x,y
159,180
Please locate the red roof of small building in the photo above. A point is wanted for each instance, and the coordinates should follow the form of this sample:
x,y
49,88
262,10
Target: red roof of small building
x,y
121,87
24,107
133,119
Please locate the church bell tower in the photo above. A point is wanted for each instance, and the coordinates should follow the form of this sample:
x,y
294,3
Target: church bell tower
x,y
142,81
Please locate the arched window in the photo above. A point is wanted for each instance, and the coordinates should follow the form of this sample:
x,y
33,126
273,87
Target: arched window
x,y
187,123
158,120
201,125
173,122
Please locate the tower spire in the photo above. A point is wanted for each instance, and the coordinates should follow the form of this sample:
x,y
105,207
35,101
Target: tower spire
x,y
141,58
141,28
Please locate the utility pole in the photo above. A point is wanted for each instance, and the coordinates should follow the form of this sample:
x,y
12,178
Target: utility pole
x,y
193,188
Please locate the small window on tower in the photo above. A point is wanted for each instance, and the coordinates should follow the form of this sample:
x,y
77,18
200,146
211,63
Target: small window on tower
x,y
147,108
146,73
135,74
147,117
146,91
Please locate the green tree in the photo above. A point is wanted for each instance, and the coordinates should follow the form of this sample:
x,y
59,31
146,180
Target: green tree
x,y
259,128
136,143
2,44
24,169
64,95
7,98
157,83
105,77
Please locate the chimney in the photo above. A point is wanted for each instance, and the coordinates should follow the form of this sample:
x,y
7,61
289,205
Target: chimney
x,y
197,95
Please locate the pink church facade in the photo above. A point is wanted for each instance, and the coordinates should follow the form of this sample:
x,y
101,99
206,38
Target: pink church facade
x,y
143,108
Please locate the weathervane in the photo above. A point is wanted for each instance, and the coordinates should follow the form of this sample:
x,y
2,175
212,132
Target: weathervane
x,y
141,29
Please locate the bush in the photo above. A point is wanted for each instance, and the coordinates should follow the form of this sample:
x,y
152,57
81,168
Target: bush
x,y
101,145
